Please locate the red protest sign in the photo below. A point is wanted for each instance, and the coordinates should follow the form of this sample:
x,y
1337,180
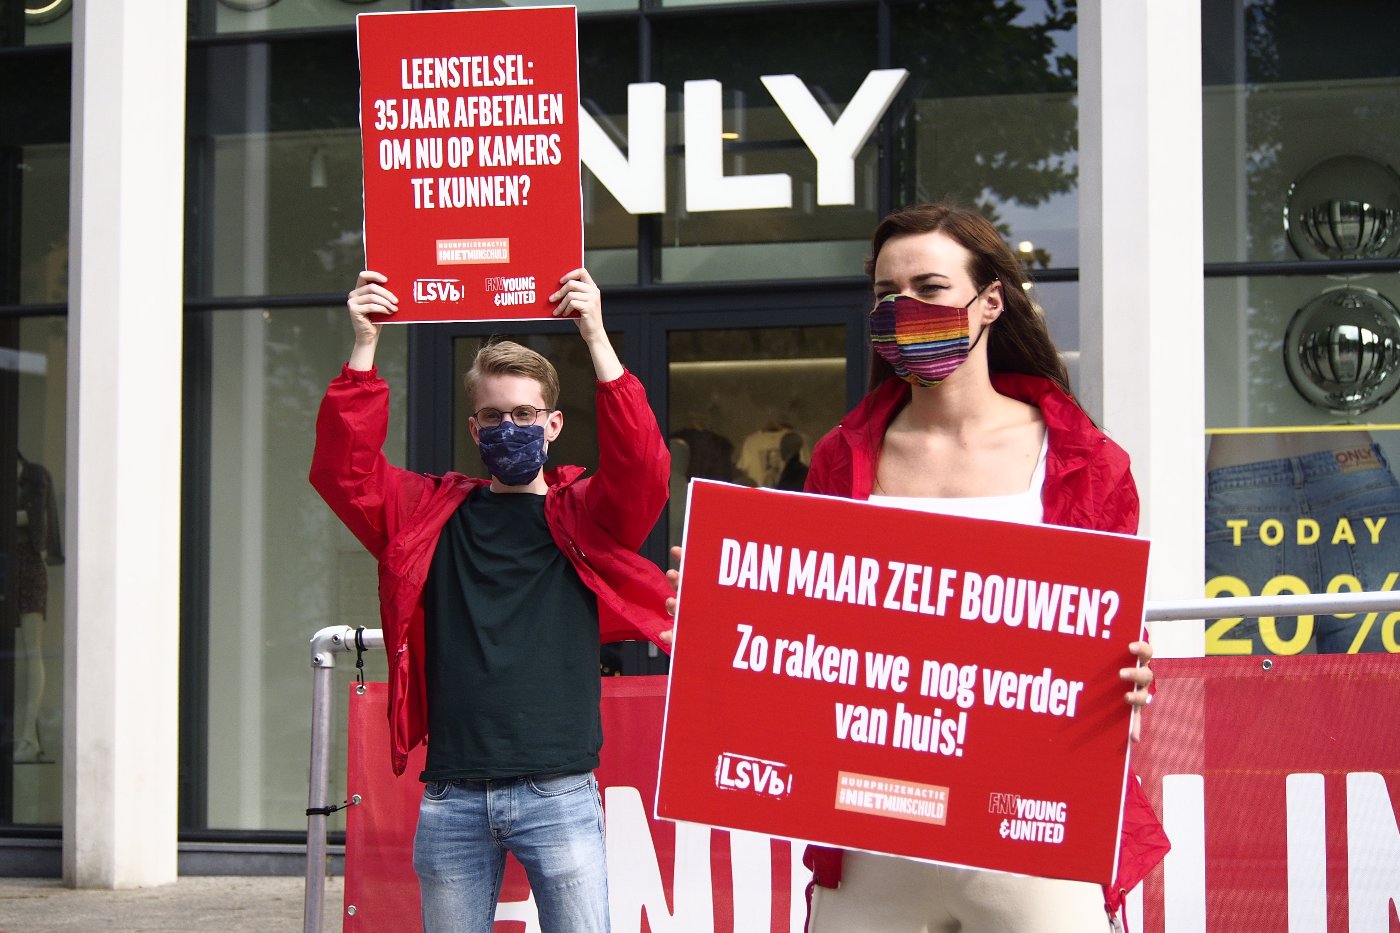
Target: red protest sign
x,y
921,685
469,121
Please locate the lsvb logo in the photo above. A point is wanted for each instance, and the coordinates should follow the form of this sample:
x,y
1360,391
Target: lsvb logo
x,y
757,775
429,291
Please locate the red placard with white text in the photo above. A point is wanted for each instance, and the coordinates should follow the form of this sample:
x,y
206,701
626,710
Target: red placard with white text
x,y
922,685
469,121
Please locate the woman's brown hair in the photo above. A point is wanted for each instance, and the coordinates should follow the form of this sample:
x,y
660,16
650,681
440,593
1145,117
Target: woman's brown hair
x,y
1018,342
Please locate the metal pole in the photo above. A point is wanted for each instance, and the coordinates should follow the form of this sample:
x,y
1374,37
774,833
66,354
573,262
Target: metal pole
x,y
323,647
1251,606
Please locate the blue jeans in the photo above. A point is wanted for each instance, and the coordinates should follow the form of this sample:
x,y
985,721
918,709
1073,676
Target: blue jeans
x,y
552,823
1304,517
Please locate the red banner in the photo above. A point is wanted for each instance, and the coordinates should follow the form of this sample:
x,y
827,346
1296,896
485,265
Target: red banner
x,y
902,682
381,889
663,877
469,120
1279,788
1278,781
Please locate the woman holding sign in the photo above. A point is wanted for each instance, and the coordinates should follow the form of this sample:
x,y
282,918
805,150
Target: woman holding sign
x,y
970,414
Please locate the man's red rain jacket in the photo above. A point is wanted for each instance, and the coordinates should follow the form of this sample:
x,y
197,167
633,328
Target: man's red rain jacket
x,y
599,521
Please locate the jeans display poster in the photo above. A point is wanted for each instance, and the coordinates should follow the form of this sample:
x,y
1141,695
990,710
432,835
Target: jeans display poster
x,y
901,682
1292,512
469,123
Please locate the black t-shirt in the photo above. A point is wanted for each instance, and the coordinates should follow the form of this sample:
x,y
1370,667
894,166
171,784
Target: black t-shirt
x,y
511,647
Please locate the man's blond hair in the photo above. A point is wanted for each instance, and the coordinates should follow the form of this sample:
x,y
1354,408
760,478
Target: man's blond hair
x,y
508,358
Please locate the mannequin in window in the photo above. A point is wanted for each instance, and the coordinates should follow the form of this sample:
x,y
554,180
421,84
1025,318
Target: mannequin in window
x,y
680,476
794,472
37,543
711,453
760,454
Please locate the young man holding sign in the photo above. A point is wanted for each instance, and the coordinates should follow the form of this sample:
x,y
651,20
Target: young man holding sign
x,y
494,595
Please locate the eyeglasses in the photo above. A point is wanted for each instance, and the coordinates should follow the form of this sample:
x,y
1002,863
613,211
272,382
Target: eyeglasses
x,y
519,415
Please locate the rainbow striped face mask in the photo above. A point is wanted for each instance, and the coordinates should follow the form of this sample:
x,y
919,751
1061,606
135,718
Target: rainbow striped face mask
x,y
923,342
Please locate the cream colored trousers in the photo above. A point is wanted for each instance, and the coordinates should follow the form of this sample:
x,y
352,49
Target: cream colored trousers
x,y
884,894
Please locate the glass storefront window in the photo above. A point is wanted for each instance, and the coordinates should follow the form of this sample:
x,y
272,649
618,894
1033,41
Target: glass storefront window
x,y
43,275
34,166
34,157
1282,99
1303,424
746,405
1262,140
607,64
274,167
584,6
1249,382
33,400
287,211
692,3
281,565
37,22
220,16
282,210
989,117
800,241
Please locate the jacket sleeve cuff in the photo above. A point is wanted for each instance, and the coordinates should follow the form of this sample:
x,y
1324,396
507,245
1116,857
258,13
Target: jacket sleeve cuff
x,y
617,385
359,375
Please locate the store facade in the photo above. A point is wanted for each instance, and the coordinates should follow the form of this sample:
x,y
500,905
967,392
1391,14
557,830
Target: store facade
x,y
729,245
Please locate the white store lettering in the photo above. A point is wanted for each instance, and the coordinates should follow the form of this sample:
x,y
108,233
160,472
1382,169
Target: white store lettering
x,y
638,179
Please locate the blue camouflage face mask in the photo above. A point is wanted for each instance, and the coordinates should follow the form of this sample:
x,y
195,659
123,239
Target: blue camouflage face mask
x,y
513,454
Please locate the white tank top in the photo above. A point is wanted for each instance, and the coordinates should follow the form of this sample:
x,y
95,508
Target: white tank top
x,y
1024,507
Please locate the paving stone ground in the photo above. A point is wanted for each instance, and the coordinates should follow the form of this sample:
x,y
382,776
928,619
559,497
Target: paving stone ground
x,y
265,904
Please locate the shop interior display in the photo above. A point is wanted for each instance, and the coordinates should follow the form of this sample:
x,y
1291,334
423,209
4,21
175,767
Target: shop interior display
x,y
1342,348
1345,207
37,12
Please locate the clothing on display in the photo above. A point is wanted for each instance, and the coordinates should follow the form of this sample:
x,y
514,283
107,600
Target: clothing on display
x,y
711,455
1332,511
38,542
794,475
37,545
761,455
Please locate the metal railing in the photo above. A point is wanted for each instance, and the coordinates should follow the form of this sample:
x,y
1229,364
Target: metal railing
x,y
1254,606
325,644
341,639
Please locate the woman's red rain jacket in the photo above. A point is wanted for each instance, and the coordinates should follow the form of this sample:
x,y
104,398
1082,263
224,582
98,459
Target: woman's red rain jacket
x,y
599,521
1087,485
